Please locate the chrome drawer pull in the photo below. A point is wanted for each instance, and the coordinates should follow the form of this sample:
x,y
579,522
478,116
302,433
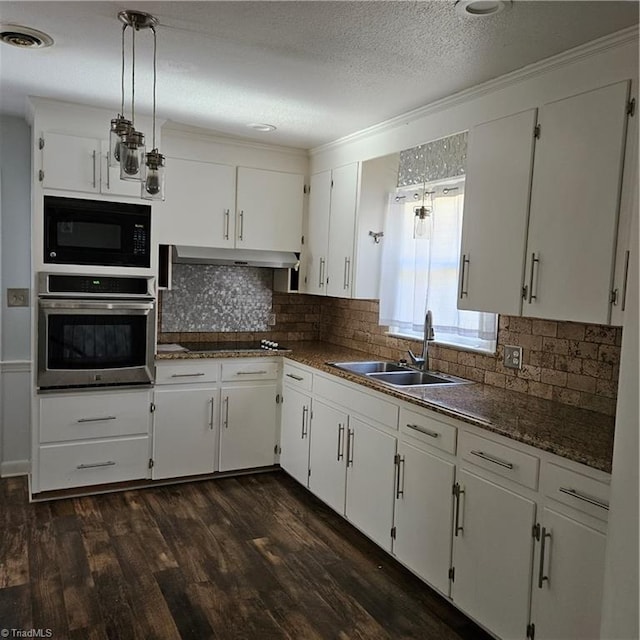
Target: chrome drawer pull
x,y
575,494
186,375
416,427
543,542
484,456
251,373
298,378
109,463
97,419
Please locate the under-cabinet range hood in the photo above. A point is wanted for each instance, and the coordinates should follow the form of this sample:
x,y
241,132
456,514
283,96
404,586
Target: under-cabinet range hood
x,y
235,257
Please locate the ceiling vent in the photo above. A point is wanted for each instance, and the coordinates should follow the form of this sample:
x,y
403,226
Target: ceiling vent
x,y
24,37
481,8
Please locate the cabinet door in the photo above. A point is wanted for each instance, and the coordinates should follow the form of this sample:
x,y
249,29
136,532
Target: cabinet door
x,y
342,230
370,481
199,206
423,517
110,183
294,434
269,210
317,238
247,427
327,460
492,556
496,207
71,163
568,580
574,206
184,432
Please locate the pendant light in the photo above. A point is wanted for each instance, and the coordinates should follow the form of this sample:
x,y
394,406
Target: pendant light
x,y
153,168
119,126
422,219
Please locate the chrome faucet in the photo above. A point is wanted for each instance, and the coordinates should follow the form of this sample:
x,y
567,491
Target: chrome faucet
x,y
423,361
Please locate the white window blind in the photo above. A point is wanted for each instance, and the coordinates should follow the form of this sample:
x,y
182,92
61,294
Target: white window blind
x,y
420,268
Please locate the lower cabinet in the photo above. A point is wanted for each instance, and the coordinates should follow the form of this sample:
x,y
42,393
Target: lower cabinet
x,y
185,427
423,514
248,428
492,555
294,434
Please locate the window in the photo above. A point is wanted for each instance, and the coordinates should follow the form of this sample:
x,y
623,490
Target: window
x,y
421,256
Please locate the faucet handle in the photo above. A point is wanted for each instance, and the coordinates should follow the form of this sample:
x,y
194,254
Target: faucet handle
x,y
417,360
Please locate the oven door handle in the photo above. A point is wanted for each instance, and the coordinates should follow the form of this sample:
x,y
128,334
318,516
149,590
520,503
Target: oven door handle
x,y
97,305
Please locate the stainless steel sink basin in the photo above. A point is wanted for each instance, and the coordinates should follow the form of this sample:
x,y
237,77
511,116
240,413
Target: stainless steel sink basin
x,y
365,368
415,378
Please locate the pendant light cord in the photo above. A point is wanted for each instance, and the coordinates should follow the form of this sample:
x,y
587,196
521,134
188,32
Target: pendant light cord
x,y
124,28
154,87
133,75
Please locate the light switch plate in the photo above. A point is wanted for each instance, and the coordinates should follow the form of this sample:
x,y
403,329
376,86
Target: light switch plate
x,y
17,297
513,357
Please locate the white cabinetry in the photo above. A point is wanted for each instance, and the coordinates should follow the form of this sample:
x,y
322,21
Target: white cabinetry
x,y
185,422
248,426
199,206
566,270
341,258
92,438
295,422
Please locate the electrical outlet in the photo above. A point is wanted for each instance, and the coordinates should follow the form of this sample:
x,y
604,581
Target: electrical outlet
x,y
272,320
17,297
513,357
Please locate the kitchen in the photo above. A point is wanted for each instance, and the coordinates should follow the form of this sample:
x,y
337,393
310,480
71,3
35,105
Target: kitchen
x,y
343,321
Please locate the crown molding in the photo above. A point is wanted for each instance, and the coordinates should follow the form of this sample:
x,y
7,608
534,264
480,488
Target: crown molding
x,y
589,49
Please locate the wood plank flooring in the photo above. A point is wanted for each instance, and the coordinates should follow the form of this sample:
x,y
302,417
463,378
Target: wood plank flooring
x,y
248,558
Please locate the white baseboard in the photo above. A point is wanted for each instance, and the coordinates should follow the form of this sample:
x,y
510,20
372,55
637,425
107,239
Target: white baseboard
x,y
14,468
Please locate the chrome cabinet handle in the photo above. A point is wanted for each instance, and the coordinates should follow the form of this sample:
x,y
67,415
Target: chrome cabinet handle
x,y
321,273
350,441
227,216
340,442
624,280
347,272
486,456
580,496
417,427
457,492
211,415
108,172
94,465
534,262
241,232
186,375
543,541
251,373
226,412
464,263
97,419
291,375
94,168
305,411
399,460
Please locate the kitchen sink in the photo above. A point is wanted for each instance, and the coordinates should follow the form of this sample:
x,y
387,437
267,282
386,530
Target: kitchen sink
x,y
397,375
365,368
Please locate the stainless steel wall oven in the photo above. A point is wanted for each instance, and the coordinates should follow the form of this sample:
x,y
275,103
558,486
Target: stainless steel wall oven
x,y
95,331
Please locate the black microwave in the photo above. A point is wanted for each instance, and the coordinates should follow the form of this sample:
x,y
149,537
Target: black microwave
x,y
96,232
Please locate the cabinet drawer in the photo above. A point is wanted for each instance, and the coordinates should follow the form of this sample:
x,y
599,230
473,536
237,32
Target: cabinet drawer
x,y
295,377
500,459
369,405
97,462
428,430
576,490
254,370
94,415
184,371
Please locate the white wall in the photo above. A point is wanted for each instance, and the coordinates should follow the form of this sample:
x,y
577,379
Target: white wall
x,y
15,269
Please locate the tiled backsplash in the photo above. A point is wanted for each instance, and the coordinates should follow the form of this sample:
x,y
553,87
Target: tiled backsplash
x,y
568,362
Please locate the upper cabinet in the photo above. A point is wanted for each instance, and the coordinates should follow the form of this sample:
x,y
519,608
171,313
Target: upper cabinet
x,y
346,206
558,263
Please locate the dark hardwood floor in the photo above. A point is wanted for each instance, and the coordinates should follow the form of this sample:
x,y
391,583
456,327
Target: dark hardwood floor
x,y
253,557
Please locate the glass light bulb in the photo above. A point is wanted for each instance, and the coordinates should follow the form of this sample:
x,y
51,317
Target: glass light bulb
x,y
130,163
152,184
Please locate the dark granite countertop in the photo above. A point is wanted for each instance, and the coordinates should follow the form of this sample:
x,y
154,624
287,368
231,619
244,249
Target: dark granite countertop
x,y
571,432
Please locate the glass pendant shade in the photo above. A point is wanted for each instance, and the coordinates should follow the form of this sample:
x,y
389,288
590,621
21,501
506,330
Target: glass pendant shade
x,y
132,156
422,223
153,182
120,126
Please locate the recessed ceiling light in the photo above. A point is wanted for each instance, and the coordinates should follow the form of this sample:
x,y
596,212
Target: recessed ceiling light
x,y
24,37
481,8
261,126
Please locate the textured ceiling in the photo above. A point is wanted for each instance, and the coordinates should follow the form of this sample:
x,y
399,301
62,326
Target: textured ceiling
x,y
316,70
